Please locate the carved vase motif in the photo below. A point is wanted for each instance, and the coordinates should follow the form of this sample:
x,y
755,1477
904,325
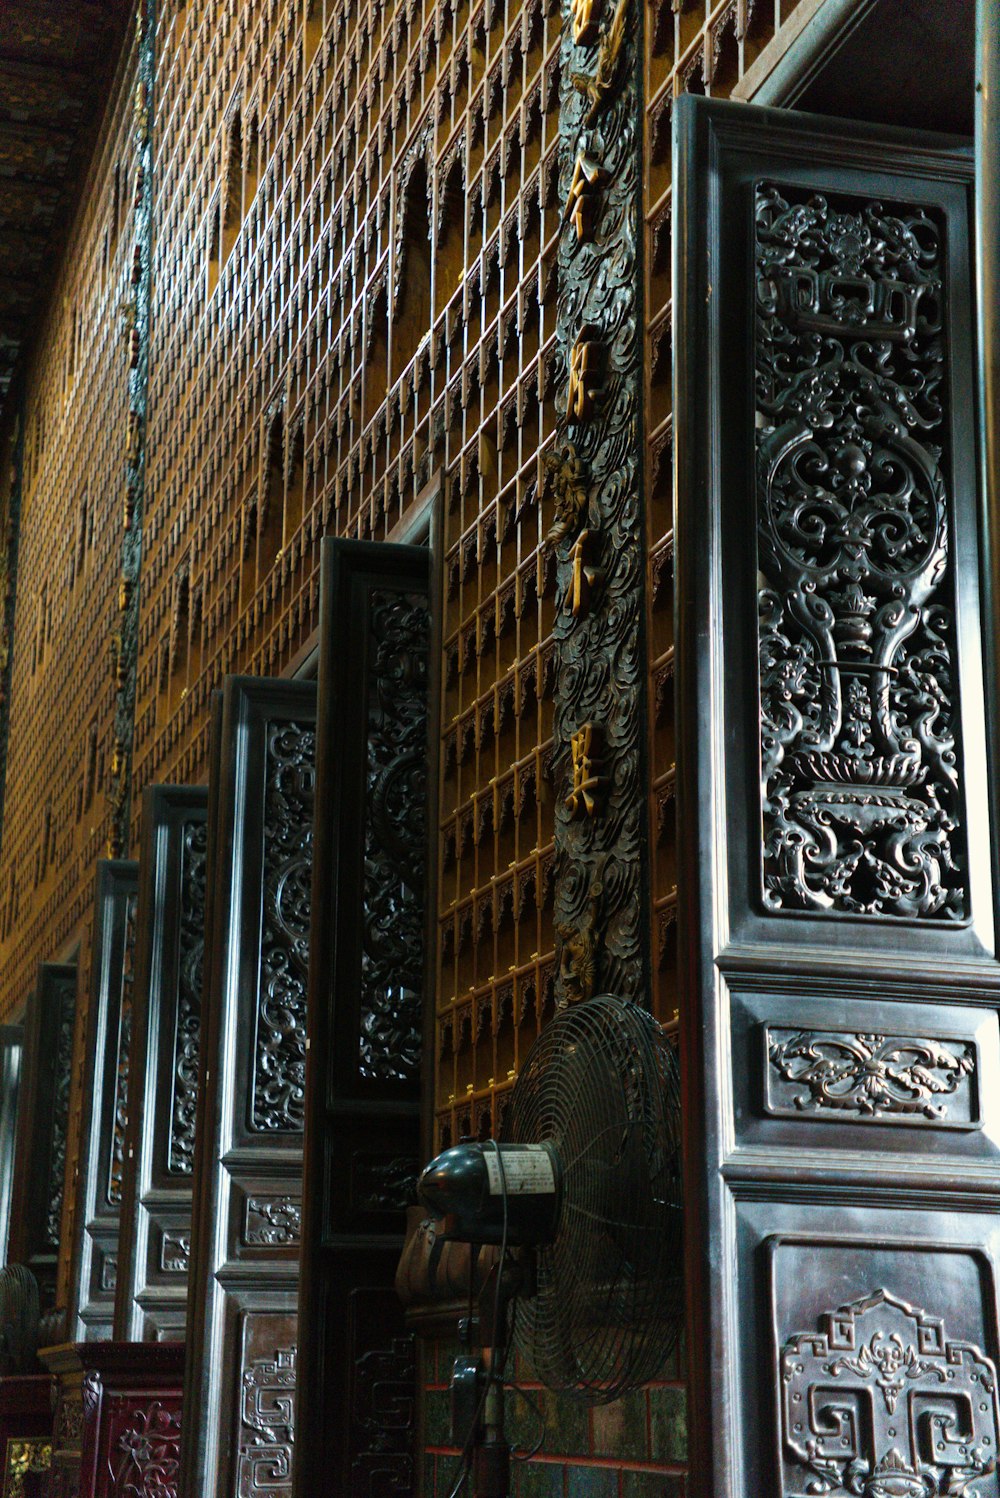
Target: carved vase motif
x,y
860,762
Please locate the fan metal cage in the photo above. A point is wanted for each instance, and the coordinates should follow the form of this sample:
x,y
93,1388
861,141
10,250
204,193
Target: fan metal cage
x,y
601,1085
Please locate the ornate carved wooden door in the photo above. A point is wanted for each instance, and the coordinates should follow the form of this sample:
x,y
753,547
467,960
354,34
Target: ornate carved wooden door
x,y
43,1117
356,1362
155,1233
243,1337
840,984
101,1165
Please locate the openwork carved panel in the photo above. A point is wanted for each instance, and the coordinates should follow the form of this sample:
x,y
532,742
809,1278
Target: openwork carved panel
x,y
879,1078
280,1061
191,954
114,1185
861,765
879,1403
392,971
63,993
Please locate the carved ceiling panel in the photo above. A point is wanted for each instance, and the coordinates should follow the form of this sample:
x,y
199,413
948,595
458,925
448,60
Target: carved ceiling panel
x,y
54,68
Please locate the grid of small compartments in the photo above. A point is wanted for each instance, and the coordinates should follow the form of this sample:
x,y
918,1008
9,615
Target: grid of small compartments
x,y
61,739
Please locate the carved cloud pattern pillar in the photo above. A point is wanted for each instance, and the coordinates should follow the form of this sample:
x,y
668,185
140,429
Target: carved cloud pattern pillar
x,y
594,494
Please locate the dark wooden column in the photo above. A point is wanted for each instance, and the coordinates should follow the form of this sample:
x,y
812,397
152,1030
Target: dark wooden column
x,y
43,1115
243,1288
101,1166
366,981
11,1048
155,1236
840,1040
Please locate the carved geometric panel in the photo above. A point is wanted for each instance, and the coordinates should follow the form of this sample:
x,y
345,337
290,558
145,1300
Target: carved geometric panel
x,y
877,1399
266,1420
885,1369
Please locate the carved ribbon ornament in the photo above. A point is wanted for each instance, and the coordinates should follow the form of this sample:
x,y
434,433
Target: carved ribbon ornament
x,y
859,759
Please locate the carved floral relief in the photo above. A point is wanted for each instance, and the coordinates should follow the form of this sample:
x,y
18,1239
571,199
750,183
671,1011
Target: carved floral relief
x,y
191,957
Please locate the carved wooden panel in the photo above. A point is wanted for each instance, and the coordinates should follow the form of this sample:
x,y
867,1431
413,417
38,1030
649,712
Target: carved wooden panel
x,y
240,1381
155,1235
365,1014
117,1427
43,1115
836,910
101,1166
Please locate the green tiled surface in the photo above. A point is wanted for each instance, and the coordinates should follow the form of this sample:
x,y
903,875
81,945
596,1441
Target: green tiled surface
x,y
648,1427
592,1482
620,1429
668,1425
540,1480
651,1485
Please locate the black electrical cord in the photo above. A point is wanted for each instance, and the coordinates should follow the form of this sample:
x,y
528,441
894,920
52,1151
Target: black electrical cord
x,y
493,1375
525,1456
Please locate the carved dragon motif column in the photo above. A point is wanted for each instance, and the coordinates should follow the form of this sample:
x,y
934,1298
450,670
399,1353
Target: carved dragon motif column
x,y
593,489
136,331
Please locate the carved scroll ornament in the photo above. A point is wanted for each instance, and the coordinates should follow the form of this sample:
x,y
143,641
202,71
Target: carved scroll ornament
x,y
280,1067
870,1076
191,957
859,723
395,828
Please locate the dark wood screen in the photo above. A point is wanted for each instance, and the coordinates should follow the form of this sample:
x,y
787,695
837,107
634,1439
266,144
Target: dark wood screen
x,y
11,1048
366,979
155,1237
101,1165
840,987
243,1333
43,1116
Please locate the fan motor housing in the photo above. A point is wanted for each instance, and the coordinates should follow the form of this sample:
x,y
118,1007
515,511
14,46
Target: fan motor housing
x,y
466,1187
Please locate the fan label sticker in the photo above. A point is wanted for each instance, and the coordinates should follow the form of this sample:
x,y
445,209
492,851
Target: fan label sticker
x,y
528,1171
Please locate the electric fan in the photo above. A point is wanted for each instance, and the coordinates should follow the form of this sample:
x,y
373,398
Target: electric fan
x,y
584,1188
19,1316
